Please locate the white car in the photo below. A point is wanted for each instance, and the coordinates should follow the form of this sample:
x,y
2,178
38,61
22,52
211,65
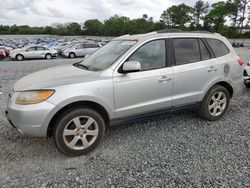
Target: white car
x,y
246,75
32,52
81,50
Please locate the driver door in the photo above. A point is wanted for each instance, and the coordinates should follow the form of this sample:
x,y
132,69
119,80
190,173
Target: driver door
x,y
149,89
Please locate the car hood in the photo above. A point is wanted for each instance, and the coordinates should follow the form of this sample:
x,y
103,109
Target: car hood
x,y
56,76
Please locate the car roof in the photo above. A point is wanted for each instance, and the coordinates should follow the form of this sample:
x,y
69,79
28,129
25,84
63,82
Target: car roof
x,y
140,37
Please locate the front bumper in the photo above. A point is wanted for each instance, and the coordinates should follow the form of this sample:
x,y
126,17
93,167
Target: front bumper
x,y
28,119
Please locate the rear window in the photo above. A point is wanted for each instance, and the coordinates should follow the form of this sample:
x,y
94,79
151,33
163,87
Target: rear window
x,y
218,47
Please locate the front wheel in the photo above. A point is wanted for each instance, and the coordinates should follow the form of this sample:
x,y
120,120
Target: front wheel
x,y
48,56
19,57
72,55
215,103
78,131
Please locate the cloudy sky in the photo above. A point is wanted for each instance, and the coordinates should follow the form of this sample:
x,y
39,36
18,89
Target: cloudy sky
x,y
47,12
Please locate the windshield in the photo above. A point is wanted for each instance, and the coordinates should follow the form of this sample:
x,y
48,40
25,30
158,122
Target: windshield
x,y
107,55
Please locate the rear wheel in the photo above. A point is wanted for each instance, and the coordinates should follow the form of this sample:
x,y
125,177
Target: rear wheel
x,y
72,55
78,131
215,103
19,57
48,56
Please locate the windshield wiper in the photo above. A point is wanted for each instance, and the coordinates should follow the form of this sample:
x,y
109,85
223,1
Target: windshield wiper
x,y
79,65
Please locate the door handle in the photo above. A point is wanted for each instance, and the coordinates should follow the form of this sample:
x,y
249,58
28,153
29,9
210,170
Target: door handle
x,y
165,79
212,69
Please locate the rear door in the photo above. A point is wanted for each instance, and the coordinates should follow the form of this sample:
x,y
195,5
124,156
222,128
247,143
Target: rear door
x,y
79,50
193,69
30,53
41,52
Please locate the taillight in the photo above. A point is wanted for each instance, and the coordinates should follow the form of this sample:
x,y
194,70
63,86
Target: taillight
x,y
241,61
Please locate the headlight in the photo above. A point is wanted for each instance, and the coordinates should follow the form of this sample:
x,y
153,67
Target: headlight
x,y
33,97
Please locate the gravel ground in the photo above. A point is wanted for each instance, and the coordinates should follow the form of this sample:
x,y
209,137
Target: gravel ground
x,y
171,150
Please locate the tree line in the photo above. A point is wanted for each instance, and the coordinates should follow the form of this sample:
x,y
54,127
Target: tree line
x,y
228,18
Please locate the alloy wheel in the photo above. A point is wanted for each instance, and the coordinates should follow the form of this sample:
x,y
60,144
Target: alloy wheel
x,y
217,103
80,133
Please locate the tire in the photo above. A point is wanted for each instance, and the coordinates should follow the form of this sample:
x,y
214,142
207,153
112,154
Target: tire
x,y
72,55
48,56
19,57
247,84
75,135
213,106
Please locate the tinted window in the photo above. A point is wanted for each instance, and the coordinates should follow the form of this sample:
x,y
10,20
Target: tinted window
x,y
205,55
151,55
79,46
40,48
186,51
31,49
87,46
95,46
218,47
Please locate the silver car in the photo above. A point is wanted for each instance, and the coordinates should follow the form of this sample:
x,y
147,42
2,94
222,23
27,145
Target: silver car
x,y
80,50
130,77
32,52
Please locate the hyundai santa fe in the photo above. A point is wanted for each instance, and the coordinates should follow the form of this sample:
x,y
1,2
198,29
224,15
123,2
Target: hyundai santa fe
x,y
131,77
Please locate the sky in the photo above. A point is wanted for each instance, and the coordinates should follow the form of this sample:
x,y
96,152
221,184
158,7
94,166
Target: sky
x,y
47,12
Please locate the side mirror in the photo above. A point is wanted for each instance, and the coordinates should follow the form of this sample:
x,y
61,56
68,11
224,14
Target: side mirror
x,y
131,66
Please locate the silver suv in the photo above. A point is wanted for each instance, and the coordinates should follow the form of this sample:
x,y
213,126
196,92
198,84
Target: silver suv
x,y
80,50
130,77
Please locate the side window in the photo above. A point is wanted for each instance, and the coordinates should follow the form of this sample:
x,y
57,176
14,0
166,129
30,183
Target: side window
x,y
186,50
31,49
151,55
88,45
218,47
40,48
95,46
205,54
79,46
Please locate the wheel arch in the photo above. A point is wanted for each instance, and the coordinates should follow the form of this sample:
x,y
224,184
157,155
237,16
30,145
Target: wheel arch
x,y
18,55
224,84
93,105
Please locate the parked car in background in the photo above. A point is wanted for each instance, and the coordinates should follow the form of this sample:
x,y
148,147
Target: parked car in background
x,y
64,46
130,77
6,49
32,52
246,75
81,50
2,54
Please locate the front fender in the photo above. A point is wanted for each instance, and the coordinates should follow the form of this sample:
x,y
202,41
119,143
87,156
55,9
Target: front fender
x,y
72,100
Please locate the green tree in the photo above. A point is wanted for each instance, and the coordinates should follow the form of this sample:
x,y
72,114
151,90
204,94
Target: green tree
x,y
200,10
234,11
216,17
166,19
180,15
93,27
73,28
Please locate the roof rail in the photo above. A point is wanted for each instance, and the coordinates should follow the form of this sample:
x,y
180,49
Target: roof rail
x,y
169,31
153,32
200,31
122,36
